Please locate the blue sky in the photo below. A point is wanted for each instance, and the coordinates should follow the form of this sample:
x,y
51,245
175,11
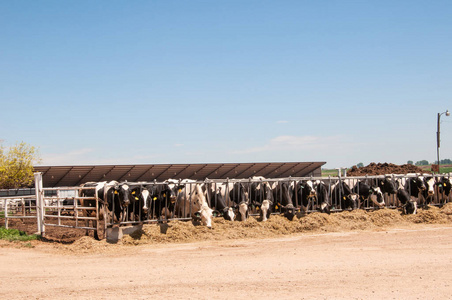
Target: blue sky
x,y
138,82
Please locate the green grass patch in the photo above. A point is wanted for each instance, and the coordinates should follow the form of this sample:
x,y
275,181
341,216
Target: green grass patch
x,y
330,172
445,169
16,235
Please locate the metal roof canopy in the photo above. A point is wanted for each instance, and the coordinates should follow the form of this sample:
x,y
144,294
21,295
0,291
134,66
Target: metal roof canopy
x,y
54,176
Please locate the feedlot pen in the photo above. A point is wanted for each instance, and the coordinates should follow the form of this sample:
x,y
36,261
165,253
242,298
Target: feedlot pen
x,y
62,206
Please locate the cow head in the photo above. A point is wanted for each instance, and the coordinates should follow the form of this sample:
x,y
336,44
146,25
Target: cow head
x,y
265,210
169,192
418,183
242,211
122,191
205,215
350,201
242,206
446,185
377,197
410,207
429,183
387,185
228,214
142,194
306,193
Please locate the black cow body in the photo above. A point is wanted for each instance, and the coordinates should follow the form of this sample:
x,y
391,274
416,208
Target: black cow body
x,y
387,185
445,188
408,205
369,193
216,196
342,194
306,195
240,196
164,200
105,192
422,188
262,199
141,196
283,194
189,199
323,199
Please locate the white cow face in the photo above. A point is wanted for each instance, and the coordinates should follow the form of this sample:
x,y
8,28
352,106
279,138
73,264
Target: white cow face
x,y
206,214
230,213
430,184
243,210
377,197
145,195
264,209
311,188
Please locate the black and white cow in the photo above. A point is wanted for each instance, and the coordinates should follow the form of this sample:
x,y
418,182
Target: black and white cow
x,y
121,200
430,184
283,194
422,188
216,195
408,205
306,195
445,184
387,185
141,195
164,196
262,198
323,199
240,196
112,197
313,195
191,202
342,195
369,193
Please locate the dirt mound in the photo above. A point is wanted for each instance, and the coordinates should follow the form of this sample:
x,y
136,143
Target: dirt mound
x,y
384,168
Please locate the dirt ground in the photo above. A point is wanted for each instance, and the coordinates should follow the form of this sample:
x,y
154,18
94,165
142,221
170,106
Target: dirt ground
x,y
349,255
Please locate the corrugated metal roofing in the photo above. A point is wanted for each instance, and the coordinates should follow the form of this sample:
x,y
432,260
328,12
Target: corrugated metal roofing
x,y
54,176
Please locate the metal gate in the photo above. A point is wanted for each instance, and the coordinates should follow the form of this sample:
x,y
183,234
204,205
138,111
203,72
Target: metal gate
x,y
65,208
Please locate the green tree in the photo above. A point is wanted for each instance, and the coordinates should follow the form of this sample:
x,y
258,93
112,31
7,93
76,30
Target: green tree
x,y
446,161
360,165
16,165
410,162
422,163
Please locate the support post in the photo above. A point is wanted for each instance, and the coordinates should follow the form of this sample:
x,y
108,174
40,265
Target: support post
x,y
39,192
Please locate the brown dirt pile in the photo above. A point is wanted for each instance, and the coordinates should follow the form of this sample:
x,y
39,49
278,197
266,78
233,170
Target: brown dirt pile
x,y
384,168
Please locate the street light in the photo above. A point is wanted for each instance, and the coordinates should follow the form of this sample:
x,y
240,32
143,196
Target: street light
x,y
438,135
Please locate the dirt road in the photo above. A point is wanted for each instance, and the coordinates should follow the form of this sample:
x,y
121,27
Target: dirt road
x,y
394,264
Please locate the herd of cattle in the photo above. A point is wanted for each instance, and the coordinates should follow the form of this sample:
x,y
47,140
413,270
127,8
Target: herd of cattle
x,y
127,202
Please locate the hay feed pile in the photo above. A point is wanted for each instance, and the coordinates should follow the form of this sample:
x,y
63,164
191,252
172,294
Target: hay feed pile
x,y
185,232
276,226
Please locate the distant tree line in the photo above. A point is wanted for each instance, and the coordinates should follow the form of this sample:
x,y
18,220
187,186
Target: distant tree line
x,y
424,162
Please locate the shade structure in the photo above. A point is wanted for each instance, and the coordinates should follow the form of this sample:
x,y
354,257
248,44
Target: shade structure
x,y
57,176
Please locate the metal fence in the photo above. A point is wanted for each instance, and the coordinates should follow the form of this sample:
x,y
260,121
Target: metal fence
x,y
65,207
